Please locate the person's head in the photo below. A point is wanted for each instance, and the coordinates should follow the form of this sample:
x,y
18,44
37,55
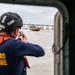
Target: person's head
x,y
10,23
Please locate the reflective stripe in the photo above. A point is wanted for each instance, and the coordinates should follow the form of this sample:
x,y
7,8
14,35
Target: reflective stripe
x,y
11,22
3,20
2,26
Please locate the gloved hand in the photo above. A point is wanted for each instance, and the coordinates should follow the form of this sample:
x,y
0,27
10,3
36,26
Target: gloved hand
x,y
26,63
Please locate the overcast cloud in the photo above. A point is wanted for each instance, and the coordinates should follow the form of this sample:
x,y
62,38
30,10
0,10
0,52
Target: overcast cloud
x,y
31,14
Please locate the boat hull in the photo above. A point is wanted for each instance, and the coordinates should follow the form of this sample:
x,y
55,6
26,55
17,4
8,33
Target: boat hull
x,y
35,29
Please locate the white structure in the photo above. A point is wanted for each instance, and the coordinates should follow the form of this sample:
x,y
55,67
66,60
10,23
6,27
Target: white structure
x,y
43,27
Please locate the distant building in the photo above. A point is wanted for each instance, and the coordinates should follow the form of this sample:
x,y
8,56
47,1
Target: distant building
x,y
43,27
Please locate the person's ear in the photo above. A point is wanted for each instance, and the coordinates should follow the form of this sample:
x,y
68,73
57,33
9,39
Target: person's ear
x,y
15,31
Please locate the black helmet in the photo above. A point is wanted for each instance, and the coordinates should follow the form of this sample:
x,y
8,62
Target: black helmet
x,y
9,21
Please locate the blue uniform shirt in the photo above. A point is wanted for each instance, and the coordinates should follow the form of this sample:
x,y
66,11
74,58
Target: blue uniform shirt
x,y
12,53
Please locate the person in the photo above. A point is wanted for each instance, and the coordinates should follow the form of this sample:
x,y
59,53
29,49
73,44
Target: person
x,y
12,50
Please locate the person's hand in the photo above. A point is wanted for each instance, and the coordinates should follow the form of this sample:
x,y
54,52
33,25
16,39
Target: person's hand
x,y
22,37
26,63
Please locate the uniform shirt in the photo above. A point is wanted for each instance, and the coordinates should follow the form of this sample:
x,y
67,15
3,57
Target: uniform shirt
x,y
12,53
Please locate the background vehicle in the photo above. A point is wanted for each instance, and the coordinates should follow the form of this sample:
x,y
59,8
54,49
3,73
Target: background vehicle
x,y
64,43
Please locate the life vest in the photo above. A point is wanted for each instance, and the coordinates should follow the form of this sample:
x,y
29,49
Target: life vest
x,y
4,38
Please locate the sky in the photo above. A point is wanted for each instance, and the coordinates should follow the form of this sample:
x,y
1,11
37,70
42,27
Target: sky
x,y
31,14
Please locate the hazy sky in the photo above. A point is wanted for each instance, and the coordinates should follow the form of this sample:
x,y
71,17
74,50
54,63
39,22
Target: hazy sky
x,y
31,14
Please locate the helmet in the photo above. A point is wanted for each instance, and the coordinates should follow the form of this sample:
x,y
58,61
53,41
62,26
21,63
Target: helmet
x,y
9,21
